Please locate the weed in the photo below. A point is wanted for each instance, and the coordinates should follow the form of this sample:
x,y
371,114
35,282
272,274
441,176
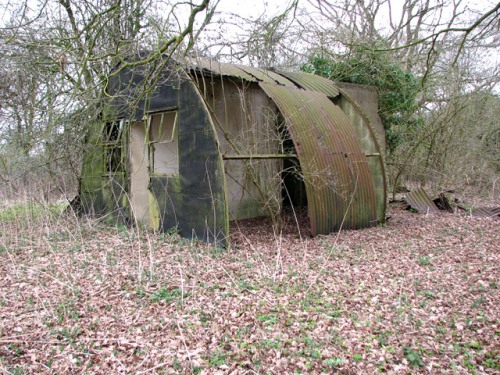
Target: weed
x,y
69,334
204,317
468,361
139,292
413,357
111,259
275,344
357,357
333,362
170,232
67,309
354,317
492,360
148,275
27,212
478,302
383,339
315,354
246,285
311,348
269,319
403,299
424,261
17,350
474,345
17,371
177,365
217,358
427,293
217,252
167,295
59,236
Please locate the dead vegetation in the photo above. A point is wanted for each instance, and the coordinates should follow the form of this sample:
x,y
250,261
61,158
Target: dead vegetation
x,y
420,294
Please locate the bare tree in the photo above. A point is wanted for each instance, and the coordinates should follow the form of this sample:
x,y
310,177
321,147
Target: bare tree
x,y
58,55
445,44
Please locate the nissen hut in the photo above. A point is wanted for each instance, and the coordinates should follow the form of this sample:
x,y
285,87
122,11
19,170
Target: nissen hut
x,y
203,143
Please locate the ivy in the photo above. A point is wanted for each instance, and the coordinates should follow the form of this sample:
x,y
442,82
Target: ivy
x,y
396,87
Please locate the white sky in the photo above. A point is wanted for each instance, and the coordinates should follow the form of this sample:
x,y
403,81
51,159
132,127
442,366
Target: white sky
x,y
254,8
247,8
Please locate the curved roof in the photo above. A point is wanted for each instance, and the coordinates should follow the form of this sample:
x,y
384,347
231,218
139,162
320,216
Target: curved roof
x,y
338,177
313,82
338,183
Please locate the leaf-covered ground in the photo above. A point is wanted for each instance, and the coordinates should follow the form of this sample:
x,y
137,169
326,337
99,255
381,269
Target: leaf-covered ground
x,y
420,294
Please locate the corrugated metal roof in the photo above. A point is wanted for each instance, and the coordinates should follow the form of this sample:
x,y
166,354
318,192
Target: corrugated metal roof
x,y
339,186
266,76
313,82
420,201
218,68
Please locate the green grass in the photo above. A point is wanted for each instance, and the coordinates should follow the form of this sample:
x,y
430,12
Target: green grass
x,y
168,295
424,261
30,211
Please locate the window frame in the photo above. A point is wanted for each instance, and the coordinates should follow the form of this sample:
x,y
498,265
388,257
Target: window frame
x,y
173,139
114,144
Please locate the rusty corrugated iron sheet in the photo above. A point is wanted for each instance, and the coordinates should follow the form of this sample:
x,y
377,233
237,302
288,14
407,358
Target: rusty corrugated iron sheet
x,y
217,68
266,76
313,82
483,212
246,73
420,201
339,187
370,145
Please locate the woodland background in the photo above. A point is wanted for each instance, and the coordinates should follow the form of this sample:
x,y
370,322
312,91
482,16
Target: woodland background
x,y
418,294
433,62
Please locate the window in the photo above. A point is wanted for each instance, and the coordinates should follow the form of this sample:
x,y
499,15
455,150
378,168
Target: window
x,y
164,153
113,146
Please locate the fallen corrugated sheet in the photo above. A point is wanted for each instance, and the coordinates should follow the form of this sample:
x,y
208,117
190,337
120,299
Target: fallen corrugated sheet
x,y
483,212
420,201
336,173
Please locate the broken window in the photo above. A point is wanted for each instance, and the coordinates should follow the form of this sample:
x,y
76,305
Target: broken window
x,y
164,153
113,146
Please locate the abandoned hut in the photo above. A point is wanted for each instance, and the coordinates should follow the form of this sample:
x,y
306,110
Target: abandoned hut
x,y
213,142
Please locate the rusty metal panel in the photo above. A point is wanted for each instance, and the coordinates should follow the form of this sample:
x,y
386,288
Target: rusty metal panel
x,y
488,213
218,68
483,212
339,187
420,201
369,143
266,76
313,82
